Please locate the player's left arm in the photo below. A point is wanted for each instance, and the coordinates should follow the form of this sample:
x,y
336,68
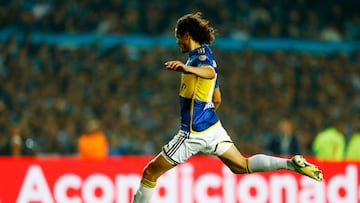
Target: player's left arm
x,y
205,71
216,98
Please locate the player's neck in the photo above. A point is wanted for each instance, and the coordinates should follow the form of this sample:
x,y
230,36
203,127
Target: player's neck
x,y
194,45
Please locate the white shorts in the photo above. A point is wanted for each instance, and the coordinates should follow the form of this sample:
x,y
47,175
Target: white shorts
x,y
213,141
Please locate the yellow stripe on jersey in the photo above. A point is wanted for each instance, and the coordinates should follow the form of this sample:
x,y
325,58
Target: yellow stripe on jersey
x,y
204,89
187,86
196,88
201,132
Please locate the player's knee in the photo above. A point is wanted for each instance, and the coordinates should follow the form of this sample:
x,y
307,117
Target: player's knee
x,y
235,170
150,172
238,170
147,172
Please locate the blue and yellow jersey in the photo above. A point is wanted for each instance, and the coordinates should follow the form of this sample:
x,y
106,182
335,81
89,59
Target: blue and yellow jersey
x,y
197,108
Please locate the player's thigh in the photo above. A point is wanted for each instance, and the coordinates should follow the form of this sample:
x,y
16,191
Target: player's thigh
x,y
156,167
182,147
234,160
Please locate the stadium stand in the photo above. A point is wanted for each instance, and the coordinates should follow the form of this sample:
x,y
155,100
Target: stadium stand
x,y
49,89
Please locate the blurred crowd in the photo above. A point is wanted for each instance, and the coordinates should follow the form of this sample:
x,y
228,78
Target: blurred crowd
x,y
49,93
326,20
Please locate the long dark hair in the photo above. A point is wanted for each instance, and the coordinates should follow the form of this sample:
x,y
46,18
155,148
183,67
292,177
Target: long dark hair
x,y
197,26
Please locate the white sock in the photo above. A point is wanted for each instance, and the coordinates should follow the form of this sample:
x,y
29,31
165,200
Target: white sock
x,y
143,194
263,163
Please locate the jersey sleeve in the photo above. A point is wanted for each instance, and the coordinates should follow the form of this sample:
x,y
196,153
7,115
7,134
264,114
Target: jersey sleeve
x,y
204,60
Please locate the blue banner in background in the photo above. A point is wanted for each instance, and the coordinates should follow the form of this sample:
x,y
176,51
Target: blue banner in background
x,y
147,41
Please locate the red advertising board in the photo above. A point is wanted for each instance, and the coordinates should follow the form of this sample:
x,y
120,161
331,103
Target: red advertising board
x,y
202,179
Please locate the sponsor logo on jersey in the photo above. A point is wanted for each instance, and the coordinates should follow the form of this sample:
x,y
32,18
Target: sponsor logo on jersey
x,y
202,57
209,105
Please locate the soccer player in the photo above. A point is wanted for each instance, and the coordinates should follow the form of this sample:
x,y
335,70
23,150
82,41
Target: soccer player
x,y
200,128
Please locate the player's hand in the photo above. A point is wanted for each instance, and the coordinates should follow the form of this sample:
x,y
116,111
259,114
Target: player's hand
x,y
175,65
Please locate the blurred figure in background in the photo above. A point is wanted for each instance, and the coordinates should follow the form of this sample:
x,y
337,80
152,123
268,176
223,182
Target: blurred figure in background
x,y
93,144
115,146
16,142
285,141
329,144
12,144
353,147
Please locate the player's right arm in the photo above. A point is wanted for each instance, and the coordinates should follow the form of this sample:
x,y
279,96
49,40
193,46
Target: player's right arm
x,y
205,71
216,98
